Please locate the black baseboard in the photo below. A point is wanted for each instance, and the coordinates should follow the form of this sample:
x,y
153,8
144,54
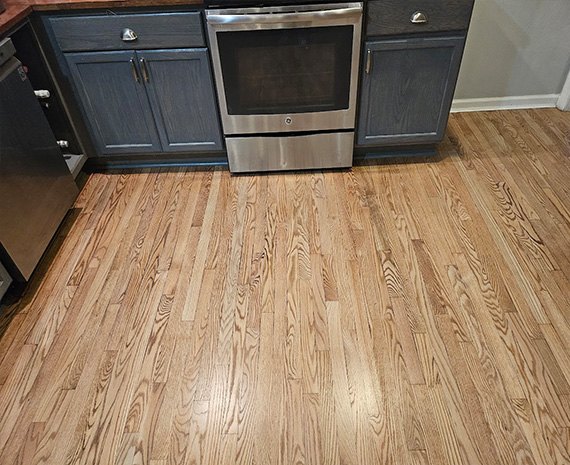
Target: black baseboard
x,y
206,160
94,164
373,153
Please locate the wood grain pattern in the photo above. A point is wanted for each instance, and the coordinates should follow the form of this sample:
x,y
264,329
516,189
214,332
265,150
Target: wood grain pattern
x,y
406,312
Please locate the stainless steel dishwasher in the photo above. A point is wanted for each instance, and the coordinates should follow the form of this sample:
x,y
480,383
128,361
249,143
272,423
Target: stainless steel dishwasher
x,y
36,187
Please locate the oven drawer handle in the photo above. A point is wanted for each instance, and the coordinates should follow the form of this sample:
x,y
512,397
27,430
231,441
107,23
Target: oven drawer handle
x,y
284,17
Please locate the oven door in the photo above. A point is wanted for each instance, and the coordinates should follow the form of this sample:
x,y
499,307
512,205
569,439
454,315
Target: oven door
x,y
285,69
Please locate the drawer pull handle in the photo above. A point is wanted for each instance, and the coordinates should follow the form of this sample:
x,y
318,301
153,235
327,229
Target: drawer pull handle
x,y
144,70
368,61
128,35
419,17
134,70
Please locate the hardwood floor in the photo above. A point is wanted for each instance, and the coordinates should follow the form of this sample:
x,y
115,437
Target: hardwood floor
x,y
412,311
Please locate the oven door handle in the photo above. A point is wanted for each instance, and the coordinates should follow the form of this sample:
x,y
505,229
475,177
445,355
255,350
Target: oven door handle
x,y
293,17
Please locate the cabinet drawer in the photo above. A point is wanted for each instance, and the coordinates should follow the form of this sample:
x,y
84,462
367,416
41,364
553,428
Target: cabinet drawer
x,y
103,32
389,17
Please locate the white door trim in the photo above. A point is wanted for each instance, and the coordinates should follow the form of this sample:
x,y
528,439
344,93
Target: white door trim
x,y
563,102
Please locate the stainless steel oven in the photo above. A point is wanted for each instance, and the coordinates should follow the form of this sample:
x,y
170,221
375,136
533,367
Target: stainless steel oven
x,y
286,80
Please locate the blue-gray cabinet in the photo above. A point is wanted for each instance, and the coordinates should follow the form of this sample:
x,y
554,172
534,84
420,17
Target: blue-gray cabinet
x,y
180,89
147,101
114,101
407,88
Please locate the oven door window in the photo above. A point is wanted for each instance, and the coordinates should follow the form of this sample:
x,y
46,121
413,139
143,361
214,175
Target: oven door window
x,y
286,70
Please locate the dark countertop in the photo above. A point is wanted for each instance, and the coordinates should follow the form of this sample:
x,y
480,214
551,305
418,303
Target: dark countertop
x,y
17,10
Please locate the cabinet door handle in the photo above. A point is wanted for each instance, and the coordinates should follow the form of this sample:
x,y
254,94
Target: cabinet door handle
x,y
144,70
419,17
134,70
368,61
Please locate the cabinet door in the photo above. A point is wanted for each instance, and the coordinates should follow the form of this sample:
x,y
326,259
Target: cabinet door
x,y
180,88
407,87
111,91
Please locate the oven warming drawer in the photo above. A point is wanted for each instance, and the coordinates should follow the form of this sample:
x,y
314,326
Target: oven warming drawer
x,y
267,153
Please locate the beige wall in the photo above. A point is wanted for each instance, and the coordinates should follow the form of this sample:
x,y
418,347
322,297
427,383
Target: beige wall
x,y
515,48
